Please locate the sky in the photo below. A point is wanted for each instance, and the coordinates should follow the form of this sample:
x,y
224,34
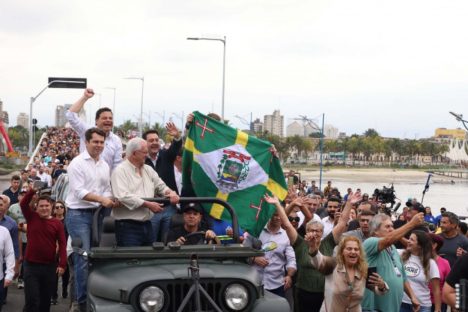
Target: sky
x,y
396,66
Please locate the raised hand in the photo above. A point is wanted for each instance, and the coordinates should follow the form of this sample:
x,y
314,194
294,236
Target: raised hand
x,y
172,129
88,93
313,240
271,199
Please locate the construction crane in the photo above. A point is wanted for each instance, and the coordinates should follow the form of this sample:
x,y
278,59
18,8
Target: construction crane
x,y
244,121
306,121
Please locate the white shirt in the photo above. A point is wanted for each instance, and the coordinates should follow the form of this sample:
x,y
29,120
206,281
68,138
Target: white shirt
x,y
129,188
112,153
178,179
328,225
280,257
7,253
417,278
85,175
46,178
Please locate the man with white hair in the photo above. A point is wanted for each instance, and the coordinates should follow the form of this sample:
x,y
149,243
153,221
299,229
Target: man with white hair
x,y
383,255
132,180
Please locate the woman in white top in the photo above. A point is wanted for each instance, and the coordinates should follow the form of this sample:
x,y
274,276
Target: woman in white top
x,y
421,269
346,274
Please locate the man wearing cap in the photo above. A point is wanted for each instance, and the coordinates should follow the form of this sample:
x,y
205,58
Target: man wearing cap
x,y
133,181
192,219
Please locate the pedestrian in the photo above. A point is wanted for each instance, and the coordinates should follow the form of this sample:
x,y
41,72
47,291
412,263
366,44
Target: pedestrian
x,y
89,188
7,260
45,235
421,270
383,255
346,274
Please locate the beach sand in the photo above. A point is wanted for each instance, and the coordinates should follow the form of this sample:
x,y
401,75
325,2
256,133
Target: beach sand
x,y
371,175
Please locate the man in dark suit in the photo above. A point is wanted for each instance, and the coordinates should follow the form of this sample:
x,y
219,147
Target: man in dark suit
x,y
162,161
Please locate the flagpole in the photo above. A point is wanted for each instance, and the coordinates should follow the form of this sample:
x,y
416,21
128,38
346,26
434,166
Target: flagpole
x,y
426,187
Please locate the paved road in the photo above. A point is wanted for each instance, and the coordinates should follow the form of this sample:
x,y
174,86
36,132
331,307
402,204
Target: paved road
x,y
15,302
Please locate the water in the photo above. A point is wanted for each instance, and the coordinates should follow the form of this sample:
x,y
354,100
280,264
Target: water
x,y
454,197
451,196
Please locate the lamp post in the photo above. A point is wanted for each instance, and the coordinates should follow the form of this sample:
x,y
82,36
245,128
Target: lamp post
x,y
223,40
181,117
60,83
113,105
140,124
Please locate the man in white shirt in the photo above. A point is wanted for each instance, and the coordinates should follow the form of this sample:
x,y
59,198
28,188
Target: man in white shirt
x,y
89,188
112,153
333,206
45,176
7,256
132,181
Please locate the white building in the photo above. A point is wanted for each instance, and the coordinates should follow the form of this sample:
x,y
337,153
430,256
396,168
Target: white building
x,y
23,120
274,124
331,132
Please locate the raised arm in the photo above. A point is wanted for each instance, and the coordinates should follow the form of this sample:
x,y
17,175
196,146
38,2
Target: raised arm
x,y
78,105
397,234
285,224
342,224
323,264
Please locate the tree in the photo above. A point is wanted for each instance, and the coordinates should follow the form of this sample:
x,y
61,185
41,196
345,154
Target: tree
x,y
371,133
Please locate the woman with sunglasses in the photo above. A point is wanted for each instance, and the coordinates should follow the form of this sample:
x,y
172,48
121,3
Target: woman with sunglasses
x,y
59,212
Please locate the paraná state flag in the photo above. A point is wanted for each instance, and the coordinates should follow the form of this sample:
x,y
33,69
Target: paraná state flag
x,y
223,162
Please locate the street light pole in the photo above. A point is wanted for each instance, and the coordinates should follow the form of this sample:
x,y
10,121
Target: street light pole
x,y
140,124
224,66
34,98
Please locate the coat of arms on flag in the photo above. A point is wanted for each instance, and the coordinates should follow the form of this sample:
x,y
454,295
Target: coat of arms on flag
x,y
226,163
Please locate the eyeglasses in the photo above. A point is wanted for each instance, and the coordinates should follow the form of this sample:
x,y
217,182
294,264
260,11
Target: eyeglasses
x,y
59,206
294,219
314,231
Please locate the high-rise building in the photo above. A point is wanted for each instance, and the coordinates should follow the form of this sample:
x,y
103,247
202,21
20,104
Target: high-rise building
x,y
331,132
298,128
274,124
60,119
3,114
257,126
23,120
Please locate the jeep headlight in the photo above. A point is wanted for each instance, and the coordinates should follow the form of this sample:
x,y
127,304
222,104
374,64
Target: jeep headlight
x,y
236,297
151,299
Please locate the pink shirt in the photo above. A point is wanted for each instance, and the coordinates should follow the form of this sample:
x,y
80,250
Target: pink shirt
x,y
444,270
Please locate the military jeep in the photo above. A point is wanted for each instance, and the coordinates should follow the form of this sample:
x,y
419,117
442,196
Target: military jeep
x,y
174,277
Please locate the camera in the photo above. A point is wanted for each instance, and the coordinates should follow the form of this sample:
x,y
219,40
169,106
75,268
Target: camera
x,y
387,197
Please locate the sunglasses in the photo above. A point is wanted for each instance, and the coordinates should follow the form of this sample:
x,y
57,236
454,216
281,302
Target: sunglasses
x,y
294,219
59,206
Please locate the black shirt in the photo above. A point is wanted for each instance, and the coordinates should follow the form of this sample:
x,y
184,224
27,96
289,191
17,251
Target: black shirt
x,y
176,232
459,271
12,195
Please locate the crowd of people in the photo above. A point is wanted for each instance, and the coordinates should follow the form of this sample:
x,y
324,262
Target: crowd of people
x,y
323,251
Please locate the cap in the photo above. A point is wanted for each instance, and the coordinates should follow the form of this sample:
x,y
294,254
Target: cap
x,y
193,206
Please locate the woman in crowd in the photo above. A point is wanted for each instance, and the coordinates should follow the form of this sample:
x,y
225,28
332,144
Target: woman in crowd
x,y
59,212
442,264
345,275
421,269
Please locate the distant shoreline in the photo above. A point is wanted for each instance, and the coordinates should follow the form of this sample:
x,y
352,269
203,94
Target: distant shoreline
x,y
374,175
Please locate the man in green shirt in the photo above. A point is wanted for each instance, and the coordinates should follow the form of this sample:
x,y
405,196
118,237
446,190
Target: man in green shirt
x,y
382,255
